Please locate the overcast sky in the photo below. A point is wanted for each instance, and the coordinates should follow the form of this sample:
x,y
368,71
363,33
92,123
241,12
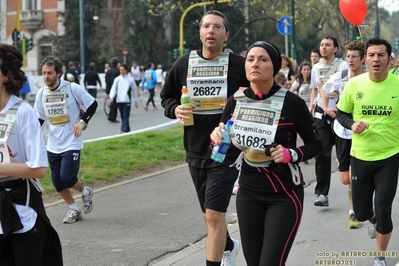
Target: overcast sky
x,y
390,5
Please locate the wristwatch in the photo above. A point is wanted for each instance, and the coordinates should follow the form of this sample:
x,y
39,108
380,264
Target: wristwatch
x,y
84,123
294,155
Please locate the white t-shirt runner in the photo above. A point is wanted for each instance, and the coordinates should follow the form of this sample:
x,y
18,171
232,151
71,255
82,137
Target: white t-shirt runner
x,y
334,88
60,136
321,73
24,144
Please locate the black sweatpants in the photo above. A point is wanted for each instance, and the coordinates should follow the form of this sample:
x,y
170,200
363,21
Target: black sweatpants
x,y
268,224
25,249
323,161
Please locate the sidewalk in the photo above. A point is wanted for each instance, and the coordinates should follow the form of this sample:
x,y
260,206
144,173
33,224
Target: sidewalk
x,y
323,237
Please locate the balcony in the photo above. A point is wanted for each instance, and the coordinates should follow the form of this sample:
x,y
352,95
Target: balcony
x,y
31,19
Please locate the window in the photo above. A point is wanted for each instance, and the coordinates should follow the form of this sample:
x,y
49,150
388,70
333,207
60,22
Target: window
x,y
31,5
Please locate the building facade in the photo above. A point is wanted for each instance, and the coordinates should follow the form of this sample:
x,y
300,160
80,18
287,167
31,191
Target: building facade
x,y
38,20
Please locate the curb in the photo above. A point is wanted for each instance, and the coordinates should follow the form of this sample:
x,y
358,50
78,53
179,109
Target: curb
x,y
170,259
78,197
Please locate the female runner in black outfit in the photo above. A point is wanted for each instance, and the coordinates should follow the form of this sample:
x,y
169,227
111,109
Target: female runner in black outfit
x,y
267,119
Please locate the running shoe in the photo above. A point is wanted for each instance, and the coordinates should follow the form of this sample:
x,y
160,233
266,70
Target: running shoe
x,y
321,201
380,262
353,222
88,200
73,216
229,257
371,229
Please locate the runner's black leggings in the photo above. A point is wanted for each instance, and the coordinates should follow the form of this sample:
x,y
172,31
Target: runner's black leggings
x,y
268,224
379,177
151,98
25,249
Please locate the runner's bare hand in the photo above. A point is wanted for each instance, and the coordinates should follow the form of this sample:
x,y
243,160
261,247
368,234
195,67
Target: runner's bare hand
x,y
359,127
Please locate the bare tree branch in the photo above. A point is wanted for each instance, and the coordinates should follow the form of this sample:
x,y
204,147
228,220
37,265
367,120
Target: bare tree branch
x,y
247,24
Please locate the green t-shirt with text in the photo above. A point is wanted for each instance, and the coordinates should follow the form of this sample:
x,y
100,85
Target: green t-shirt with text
x,y
376,104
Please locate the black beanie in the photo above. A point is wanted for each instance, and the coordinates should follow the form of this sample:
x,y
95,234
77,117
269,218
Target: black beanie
x,y
273,52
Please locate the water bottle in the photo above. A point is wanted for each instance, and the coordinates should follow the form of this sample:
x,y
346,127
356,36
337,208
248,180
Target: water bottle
x,y
186,100
219,151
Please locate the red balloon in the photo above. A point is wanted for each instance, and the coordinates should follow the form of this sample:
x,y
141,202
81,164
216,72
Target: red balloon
x,y
354,11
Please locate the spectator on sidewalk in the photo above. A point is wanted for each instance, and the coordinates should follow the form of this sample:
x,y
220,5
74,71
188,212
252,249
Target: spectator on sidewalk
x,y
71,74
91,79
111,74
122,90
78,68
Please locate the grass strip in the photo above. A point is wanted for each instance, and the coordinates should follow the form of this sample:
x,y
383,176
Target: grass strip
x,y
108,160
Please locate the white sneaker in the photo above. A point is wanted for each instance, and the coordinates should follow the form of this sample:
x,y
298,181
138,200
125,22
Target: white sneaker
x,y
371,229
229,257
88,200
378,262
73,216
321,201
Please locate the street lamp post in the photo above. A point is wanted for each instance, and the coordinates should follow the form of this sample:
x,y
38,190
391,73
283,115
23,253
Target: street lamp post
x,y
246,17
82,40
293,48
377,20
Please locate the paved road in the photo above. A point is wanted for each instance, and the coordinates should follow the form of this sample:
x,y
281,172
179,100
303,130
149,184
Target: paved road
x,y
139,221
140,119
323,237
132,223
155,220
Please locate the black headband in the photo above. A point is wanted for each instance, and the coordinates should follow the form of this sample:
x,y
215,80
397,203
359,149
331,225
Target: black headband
x,y
273,52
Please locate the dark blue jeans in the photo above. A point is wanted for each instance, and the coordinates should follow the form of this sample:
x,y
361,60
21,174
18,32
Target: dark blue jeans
x,y
124,110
